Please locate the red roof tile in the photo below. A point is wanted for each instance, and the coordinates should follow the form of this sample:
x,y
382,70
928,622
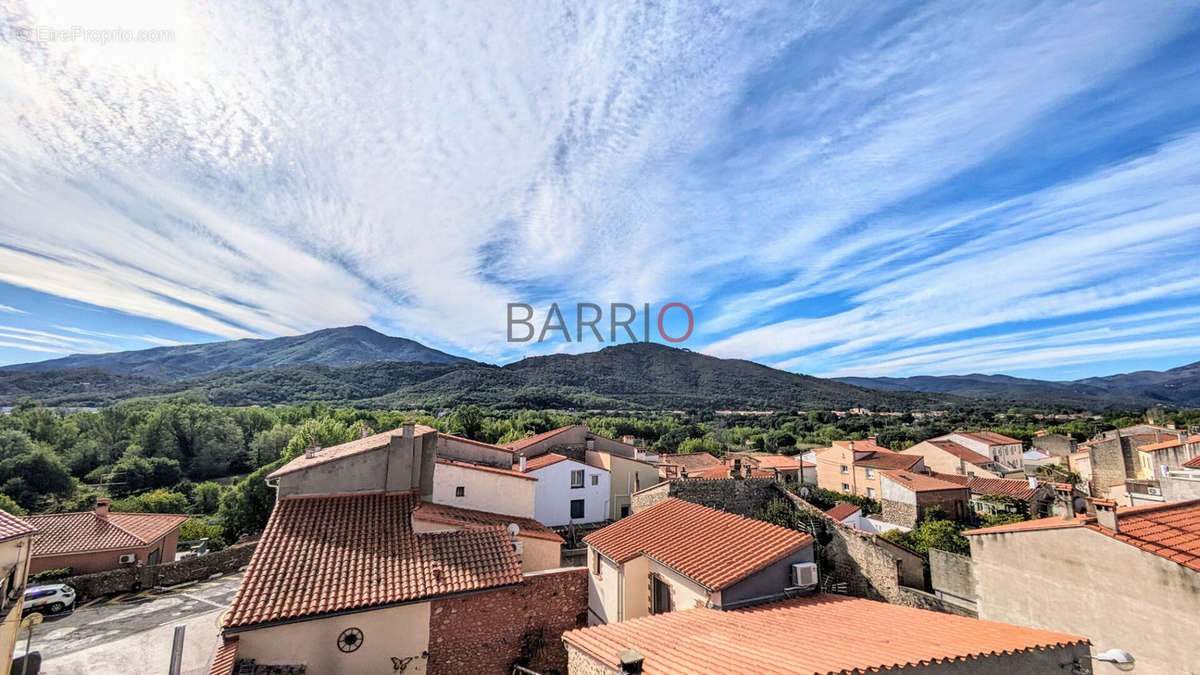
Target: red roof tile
x,y
990,437
888,460
776,461
225,658
1193,463
919,482
482,467
460,439
326,554
354,447
12,527
523,443
692,461
541,461
843,511
719,472
966,454
1051,523
1168,443
1170,531
63,533
856,636
863,446
991,486
714,548
452,515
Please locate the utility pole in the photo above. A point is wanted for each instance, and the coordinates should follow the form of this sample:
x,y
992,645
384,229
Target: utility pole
x,y
28,623
177,651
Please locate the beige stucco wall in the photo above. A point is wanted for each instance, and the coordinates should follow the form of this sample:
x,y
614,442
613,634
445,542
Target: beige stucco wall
x,y
622,482
604,589
14,555
937,459
484,490
399,632
1082,582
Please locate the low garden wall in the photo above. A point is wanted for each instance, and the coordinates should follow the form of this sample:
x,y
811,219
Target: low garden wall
x,y
128,579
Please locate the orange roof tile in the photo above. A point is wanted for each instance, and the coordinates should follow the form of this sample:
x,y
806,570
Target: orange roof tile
x,y
541,461
1167,444
888,460
843,511
705,641
1193,463
776,461
63,533
471,441
225,658
523,443
1170,531
966,454
12,527
863,446
326,554
919,482
991,486
990,437
482,467
453,515
714,548
355,447
1052,523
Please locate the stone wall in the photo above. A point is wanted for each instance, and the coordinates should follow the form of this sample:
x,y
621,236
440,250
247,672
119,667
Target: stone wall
x,y
1112,463
952,576
1057,445
899,513
489,632
129,579
744,496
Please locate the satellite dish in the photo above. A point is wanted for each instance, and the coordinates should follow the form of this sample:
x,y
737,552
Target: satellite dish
x,y
513,529
804,492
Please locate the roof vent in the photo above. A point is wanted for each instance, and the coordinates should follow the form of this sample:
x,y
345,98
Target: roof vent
x,y
311,451
631,660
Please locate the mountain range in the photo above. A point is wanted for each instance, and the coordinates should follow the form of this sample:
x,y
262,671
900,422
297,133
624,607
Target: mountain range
x,y
356,365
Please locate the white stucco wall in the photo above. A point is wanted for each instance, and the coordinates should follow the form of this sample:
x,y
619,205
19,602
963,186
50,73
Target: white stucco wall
x,y
554,493
604,589
484,490
399,632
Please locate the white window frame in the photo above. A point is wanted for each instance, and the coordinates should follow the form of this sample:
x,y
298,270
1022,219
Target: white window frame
x,y
574,473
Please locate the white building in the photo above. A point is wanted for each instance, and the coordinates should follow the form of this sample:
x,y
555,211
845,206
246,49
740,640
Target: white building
x,y
568,490
998,447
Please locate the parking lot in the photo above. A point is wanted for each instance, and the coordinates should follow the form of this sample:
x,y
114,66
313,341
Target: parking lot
x,y
135,629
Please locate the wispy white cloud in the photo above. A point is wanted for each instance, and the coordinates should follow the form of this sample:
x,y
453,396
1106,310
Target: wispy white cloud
x,y
433,165
12,310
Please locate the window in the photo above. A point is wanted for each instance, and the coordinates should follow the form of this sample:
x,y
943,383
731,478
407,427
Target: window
x,y
870,473
577,478
871,493
596,563
845,487
576,508
595,479
460,491
661,598
624,510
845,469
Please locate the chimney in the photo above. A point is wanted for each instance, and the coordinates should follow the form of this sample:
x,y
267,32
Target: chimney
x,y
871,440
409,429
1106,514
627,439
1033,482
311,451
363,433
851,446
1158,435
630,660
102,507
522,462
1064,503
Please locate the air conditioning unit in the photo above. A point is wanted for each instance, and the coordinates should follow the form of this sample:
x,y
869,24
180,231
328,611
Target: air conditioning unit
x,y
804,575
1157,492
518,546
128,558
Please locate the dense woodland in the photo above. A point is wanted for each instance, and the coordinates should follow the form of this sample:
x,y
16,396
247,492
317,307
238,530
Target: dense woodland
x,y
183,455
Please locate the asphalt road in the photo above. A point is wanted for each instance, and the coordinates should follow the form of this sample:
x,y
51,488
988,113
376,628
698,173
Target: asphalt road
x,y
104,621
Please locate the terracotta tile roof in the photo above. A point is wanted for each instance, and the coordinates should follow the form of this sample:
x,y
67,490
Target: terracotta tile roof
x,y
523,443
1170,531
989,437
863,446
330,553
843,511
541,461
355,447
694,461
966,454
63,533
705,641
1193,463
1051,523
888,460
713,548
453,515
1167,444
482,467
719,472
225,658
991,486
12,527
776,461
919,482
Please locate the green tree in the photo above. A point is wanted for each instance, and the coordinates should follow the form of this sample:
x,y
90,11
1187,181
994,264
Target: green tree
x,y
158,501
13,508
35,479
134,474
246,508
267,446
466,421
206,497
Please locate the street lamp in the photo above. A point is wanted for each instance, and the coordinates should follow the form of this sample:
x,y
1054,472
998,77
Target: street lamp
x,y
1120,658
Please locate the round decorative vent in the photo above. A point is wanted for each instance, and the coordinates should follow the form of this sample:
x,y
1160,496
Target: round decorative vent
x,y
350,639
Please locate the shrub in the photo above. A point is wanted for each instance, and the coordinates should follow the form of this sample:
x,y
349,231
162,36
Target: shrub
x,y
50,575
194,529
159,501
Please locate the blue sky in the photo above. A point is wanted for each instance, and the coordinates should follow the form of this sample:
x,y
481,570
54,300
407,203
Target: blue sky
x,y
884,189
